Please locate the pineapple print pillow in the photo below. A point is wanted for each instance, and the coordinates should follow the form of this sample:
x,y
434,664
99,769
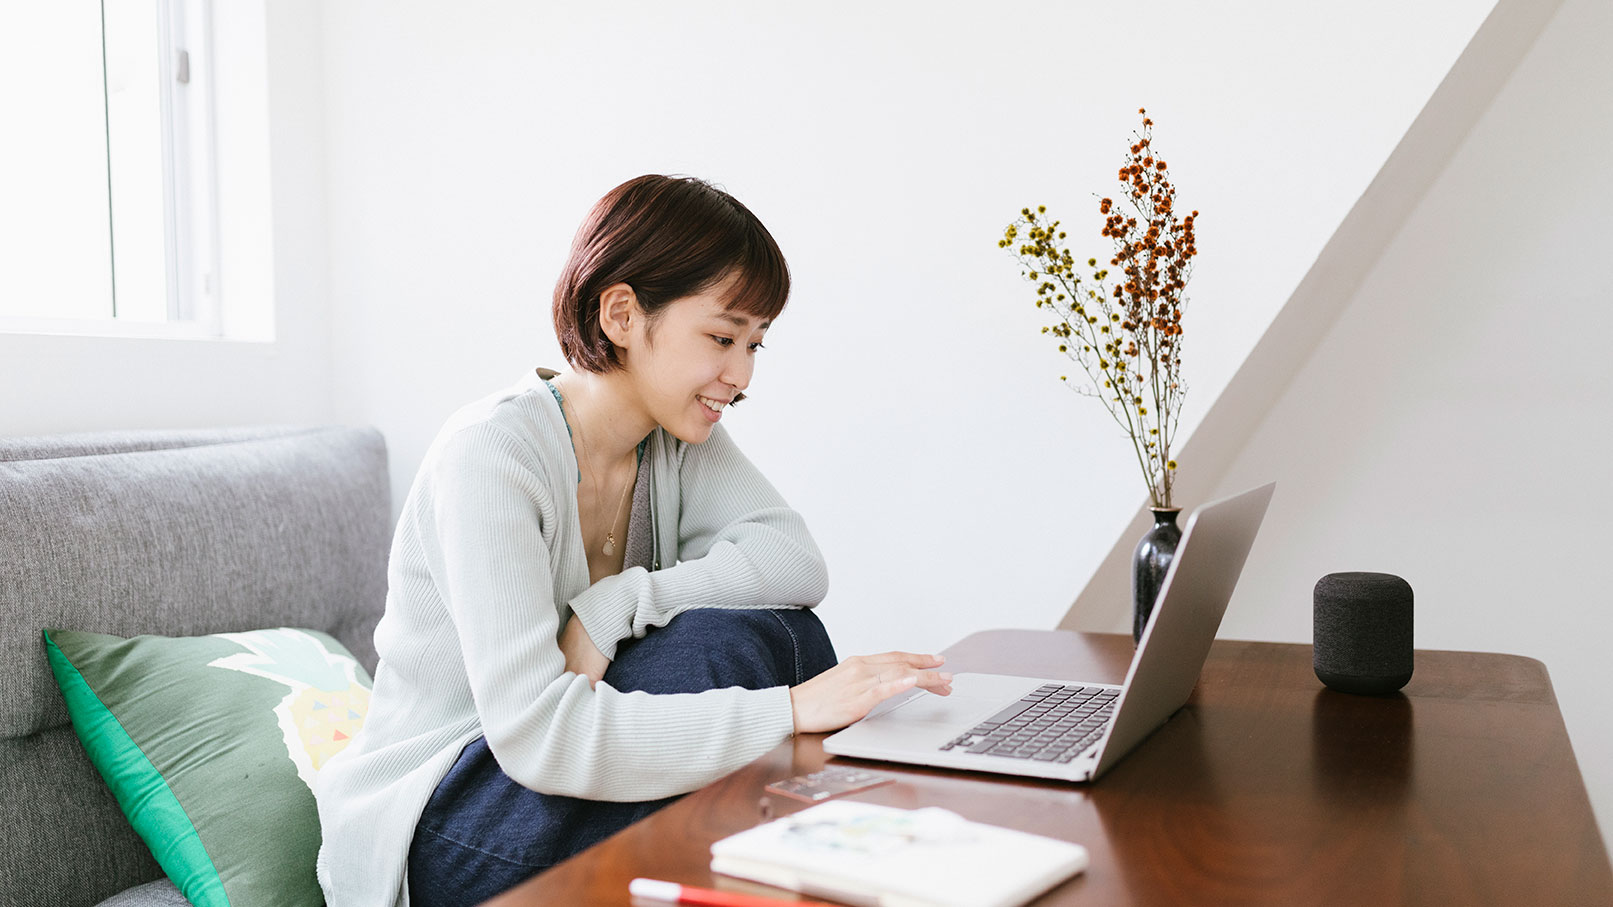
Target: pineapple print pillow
x,y
210,745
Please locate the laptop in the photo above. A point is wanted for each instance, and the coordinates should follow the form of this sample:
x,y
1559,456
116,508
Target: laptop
x,y
1076,731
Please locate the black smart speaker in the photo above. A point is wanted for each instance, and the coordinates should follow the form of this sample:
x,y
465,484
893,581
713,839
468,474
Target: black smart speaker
x,y
1363,632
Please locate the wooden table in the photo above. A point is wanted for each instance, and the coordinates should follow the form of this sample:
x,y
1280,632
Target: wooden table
x,y
1266,788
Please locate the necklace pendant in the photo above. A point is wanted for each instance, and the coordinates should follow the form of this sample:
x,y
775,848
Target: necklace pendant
x,y
610,543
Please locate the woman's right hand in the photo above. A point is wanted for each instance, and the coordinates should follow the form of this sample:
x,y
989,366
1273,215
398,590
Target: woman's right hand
x,y
582,656
850,689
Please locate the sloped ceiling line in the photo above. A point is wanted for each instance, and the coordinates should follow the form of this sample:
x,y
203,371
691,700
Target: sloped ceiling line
x,y
1414,165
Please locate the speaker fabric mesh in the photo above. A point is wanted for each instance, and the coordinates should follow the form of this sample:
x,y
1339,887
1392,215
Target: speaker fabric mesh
x,y
1363,632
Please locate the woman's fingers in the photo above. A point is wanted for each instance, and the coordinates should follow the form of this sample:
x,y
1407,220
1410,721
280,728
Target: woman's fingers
x,y
888,688
846,692
933,681
911,658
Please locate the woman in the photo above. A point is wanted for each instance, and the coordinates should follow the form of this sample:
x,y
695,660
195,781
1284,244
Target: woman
x,y
555,661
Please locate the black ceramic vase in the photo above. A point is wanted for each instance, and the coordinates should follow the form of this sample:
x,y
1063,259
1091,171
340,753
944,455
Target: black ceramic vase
x,y
1149,564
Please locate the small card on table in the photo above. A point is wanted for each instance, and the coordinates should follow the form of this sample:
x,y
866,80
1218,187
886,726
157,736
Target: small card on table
x,y
832,781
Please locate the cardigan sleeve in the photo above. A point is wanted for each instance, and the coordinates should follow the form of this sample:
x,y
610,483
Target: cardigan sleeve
x,y
491,520
739,546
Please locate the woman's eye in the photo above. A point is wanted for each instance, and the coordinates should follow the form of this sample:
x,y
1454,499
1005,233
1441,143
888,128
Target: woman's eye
x,y
729,341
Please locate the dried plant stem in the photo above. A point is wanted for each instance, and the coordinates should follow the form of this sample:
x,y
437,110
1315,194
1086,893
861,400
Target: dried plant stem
x,y
1136,321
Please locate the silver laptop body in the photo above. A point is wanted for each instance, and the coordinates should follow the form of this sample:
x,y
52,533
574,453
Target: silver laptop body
x,y
1166,666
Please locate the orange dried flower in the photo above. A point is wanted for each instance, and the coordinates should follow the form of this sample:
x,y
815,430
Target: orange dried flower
x,y
1154,251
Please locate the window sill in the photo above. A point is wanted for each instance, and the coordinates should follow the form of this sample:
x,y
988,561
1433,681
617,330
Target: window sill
x,y
109,327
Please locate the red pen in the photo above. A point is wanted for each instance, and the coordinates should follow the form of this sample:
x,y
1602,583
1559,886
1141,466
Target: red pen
x,y
705,897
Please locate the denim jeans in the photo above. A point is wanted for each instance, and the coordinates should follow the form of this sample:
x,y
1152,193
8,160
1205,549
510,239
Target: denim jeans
x,y
482,833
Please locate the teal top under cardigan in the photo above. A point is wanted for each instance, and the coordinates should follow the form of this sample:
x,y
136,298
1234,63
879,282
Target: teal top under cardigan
x,y
487,565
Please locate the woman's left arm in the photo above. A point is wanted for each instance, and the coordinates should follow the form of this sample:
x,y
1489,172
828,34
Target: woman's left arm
x,y
739,546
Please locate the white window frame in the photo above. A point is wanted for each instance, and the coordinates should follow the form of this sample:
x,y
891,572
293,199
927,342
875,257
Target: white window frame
x,y
189,171
183,35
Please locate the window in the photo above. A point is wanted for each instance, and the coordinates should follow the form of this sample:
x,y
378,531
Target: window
x,y
107,201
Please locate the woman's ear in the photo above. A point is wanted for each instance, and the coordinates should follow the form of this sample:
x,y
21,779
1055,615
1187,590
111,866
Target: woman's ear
x,y
618,310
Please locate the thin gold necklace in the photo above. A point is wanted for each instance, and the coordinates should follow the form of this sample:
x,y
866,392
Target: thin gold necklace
x,y
609,548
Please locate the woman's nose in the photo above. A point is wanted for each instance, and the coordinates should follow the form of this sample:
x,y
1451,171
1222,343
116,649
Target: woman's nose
x,y
738,368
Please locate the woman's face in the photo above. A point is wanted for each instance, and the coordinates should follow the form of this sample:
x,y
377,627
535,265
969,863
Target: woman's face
x,y
698,355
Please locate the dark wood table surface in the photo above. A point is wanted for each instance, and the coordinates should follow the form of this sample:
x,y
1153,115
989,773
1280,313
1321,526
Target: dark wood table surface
x,y
1267,788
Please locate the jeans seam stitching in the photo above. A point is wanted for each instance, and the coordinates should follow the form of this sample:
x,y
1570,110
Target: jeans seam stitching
x,y
795,645
483,851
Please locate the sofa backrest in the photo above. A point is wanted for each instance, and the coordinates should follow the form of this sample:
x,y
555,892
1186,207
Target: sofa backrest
x,y
174,533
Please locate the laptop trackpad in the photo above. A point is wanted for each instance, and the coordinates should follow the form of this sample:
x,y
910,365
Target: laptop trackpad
x,y
975,697
922,723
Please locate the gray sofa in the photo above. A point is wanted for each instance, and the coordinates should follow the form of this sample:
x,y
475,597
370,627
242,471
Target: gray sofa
x,y
175,533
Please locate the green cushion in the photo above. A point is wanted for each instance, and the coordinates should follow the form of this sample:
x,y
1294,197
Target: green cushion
x,y
211,745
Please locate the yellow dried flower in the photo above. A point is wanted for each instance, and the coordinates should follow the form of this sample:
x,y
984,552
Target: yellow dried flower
x,y
1136,321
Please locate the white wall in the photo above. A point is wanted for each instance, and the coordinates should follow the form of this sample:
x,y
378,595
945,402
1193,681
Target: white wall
x,y
1453,427
272,207
906,404
428,163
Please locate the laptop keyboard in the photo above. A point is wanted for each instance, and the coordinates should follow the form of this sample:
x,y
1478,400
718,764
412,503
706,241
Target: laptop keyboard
x,y
1053,723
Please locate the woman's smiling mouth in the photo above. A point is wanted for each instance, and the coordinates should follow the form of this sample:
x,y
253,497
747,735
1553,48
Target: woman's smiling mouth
x,y
714,408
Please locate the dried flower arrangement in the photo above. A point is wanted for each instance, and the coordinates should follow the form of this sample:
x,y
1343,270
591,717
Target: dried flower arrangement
x,y
1127,336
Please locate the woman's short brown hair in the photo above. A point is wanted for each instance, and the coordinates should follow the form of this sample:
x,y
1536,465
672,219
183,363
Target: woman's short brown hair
x,y
667,238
